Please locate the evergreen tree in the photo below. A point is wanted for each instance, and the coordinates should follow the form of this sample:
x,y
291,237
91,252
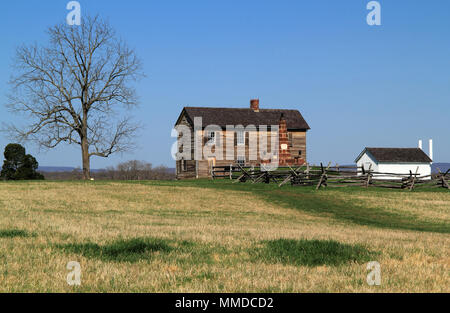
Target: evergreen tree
x,y
18,165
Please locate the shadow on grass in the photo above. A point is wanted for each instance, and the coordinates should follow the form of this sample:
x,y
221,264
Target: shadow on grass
x,y
12,233
317,202
137,249
311,252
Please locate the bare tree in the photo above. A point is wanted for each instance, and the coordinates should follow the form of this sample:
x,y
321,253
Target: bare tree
x,y
75,90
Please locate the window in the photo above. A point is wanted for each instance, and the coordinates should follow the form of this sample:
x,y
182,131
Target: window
x,y
240,138
211,138
290,139
241,160
183,165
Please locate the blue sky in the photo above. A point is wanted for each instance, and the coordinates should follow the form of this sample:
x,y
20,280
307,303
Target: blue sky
x,y
356,85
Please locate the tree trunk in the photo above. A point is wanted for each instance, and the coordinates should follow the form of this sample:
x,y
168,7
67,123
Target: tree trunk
x,y
86,159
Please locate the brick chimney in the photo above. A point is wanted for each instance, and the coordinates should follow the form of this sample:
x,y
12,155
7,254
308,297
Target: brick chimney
x,y
254,105
284,152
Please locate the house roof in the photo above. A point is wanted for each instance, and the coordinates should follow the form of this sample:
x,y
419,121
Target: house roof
x,y
397,155
235,116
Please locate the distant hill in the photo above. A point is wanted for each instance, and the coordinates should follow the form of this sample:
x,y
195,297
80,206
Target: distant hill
x,y
55,169
434,167
442,166
61,169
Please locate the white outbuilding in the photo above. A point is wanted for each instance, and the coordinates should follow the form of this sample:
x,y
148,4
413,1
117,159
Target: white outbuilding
x,y
395,161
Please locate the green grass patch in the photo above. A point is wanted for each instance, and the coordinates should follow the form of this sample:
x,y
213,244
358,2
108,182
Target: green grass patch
x,y
311,252
354,212
130,250
141,249
13,233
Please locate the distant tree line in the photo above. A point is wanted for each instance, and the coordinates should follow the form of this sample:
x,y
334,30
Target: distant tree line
x,y
18,165
136,170
130,170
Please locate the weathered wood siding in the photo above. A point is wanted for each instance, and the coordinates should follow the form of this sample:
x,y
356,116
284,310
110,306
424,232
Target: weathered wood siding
x,y
298,149
297,140
202,168
190,168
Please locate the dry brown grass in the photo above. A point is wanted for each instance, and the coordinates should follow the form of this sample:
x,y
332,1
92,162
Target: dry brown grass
x,y
224,225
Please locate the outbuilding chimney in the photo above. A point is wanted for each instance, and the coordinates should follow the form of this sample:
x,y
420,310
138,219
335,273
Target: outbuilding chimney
x,y
420,145
254,105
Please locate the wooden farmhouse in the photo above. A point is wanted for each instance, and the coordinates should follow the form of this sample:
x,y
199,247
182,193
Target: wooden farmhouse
x,y
291,134
395,161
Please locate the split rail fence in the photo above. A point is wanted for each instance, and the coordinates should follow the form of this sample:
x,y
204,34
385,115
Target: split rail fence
x,y
330,176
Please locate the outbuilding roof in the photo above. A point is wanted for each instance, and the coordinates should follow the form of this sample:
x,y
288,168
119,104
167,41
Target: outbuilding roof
x,y
235,116
397,155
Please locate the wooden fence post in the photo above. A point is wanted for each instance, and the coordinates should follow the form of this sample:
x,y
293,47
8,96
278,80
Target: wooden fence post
x,y
443,181
324,175
413,179
369,176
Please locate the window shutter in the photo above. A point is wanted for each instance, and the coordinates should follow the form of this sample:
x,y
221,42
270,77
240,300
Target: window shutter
x,y
235,138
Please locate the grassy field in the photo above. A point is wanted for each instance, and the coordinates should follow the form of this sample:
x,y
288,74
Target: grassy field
x,y
214,236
